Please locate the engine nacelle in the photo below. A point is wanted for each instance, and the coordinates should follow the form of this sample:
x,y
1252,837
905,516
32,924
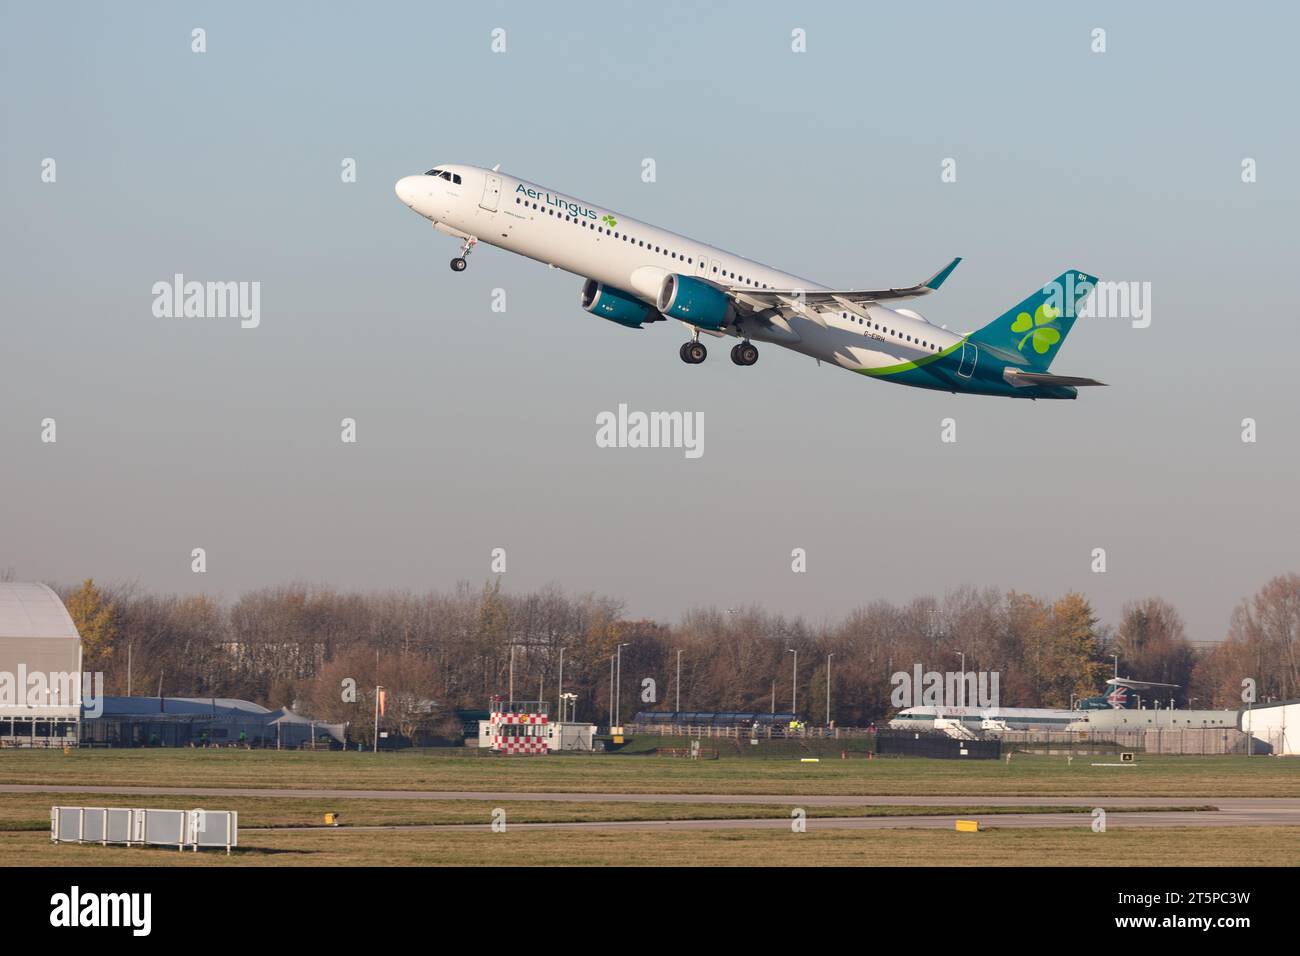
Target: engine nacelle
x,y
695,301
616,305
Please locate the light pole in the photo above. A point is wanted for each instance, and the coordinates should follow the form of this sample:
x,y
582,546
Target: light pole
x,y
1116,656
678,708
794,682
962,685
618,683
828,688
379,690
560,691
511,694
611,693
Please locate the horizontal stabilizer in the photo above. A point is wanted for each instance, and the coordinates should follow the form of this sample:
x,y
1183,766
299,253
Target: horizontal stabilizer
x,y
1023,379
1137,684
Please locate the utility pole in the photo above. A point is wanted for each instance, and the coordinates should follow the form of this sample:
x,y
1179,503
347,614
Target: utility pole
x,y
794,683
962,685
828,688
512,672
128,668
678,708
378,690
560,692
611,693
618,685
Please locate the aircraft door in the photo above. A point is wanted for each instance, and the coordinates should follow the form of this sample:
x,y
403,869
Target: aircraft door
x,y
969,356
491,192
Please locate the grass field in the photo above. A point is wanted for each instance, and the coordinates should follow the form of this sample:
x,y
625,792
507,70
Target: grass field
x,y
287,830
1195,777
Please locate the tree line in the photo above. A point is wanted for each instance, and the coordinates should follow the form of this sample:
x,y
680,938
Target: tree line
x,y
324,651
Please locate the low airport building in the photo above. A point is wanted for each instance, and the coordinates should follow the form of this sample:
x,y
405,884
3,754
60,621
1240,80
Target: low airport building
x,y
204,722
47,701
1276,725
525,728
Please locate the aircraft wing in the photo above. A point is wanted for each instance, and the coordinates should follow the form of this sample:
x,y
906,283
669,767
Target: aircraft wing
x,y
808,302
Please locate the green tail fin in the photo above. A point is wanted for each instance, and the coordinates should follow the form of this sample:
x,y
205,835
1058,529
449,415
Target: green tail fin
x,y
1031,333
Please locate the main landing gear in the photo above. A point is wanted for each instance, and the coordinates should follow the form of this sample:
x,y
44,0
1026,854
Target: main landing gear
x,y
693,352
458,264
744,354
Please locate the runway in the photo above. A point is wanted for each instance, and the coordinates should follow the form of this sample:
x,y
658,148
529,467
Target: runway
x,y
1229,811
989,821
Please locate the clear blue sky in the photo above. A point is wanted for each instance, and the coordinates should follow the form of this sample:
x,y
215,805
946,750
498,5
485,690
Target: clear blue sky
x,y
476,429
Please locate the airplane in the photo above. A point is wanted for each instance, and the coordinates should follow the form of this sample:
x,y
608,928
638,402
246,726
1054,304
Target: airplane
x,y
992,720
636,274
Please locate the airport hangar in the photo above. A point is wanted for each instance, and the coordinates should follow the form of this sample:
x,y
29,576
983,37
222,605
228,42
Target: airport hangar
x,y
40,667
42,702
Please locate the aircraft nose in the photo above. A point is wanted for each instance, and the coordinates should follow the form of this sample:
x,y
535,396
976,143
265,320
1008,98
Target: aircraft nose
x,y
405,189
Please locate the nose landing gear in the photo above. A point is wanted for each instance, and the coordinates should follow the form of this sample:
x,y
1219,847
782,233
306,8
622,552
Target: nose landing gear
x,y
458,264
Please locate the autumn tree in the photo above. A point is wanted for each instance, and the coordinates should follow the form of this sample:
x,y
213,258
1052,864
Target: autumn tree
x,y
95,619
1152,643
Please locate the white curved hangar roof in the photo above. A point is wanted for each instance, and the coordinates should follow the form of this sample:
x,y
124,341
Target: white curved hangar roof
x,y
34,611
39,648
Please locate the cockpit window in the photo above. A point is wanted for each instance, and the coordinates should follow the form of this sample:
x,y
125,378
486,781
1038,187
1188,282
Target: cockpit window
x,y
444,174
434,172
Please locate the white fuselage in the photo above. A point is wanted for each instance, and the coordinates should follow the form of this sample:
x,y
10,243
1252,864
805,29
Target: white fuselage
x,y
976,718
635,257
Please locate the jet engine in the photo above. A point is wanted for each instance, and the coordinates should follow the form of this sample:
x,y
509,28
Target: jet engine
x,y
695,301
616,305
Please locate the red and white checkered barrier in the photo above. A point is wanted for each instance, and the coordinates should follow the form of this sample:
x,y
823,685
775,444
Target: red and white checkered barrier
x,y
518,745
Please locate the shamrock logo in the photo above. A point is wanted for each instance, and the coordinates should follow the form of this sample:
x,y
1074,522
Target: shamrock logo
x,y
609,220
1038,328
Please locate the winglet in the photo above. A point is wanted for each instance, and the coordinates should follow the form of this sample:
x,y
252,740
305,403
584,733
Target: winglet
x,y
938,278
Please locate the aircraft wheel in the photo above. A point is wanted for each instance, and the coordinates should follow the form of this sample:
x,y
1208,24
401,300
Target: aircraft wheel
x,y
458,264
